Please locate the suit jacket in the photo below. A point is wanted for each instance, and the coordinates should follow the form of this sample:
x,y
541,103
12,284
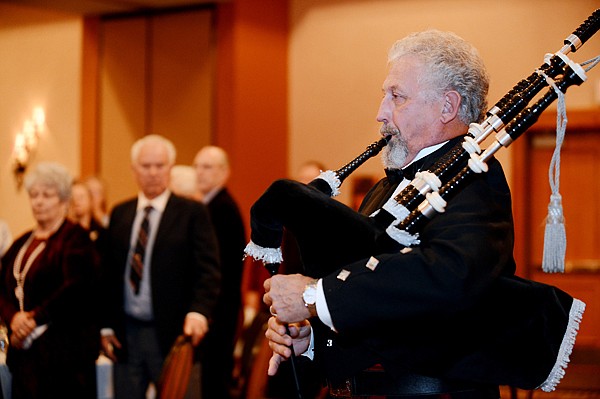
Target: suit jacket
x,y
218,346
231,237
407,310
184,266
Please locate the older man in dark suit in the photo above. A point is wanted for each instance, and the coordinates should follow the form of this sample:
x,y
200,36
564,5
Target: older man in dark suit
x,y
161,272
212,171
444,316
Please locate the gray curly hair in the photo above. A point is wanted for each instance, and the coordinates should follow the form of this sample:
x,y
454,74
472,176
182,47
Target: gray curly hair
x,y
50,174
452,64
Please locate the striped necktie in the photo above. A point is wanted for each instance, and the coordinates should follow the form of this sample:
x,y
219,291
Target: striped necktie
x,y
137,260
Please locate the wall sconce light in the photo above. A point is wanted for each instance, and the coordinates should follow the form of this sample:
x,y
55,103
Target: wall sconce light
x,y
26,143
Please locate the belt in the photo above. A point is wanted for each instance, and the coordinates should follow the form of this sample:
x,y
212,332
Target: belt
x,y
376,382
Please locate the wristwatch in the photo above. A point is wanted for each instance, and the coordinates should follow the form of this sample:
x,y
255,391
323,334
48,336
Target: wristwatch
x,y
309,296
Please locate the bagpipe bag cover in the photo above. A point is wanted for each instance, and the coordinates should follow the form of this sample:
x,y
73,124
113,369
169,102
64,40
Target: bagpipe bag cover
x,y
520,333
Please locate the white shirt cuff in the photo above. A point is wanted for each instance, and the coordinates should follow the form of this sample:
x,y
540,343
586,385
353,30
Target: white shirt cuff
x,y
197,316
105,332
322,309
310,351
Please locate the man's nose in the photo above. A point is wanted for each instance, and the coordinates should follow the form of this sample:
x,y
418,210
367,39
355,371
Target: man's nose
x,y
383,114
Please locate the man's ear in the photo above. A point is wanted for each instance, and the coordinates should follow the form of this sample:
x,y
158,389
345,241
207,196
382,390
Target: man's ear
x,y
452,102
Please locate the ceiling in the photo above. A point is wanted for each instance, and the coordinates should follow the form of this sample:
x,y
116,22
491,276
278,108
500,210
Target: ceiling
x,y
103,7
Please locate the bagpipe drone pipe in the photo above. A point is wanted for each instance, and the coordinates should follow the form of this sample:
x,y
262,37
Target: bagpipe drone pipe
x,y
533,349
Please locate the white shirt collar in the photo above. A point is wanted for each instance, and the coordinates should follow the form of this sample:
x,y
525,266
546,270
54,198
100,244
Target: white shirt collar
x,y
159,203
426,151
206,198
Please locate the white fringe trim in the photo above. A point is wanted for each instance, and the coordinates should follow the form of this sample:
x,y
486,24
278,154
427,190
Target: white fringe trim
x,y
402,237
331,178
566,347
396,209
266,255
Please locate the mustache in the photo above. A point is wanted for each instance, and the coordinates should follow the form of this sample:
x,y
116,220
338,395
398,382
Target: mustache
x,y
387,130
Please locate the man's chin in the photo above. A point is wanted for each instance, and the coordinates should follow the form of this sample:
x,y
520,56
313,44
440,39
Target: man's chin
x,y
392,158
154,192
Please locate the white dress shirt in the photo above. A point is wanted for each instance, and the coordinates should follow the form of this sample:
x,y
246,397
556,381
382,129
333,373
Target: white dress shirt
x,y
140,306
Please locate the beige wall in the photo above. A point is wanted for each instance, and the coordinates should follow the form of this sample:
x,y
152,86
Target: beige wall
x,y
41,57
338,61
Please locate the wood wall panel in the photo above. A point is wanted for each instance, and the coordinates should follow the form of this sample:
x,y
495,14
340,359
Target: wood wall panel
x,y
180,95
156,77
89,97
579,162
122,102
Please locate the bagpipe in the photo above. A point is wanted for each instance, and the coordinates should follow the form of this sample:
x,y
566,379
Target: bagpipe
x,y
545,318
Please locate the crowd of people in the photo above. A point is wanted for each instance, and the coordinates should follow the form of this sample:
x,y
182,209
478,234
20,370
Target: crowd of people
x,y
128,283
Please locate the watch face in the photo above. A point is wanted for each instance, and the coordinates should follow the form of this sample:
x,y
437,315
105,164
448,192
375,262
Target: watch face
x,y
310,295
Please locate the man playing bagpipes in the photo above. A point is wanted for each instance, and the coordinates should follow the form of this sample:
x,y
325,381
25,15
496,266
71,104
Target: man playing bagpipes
x,y
443,316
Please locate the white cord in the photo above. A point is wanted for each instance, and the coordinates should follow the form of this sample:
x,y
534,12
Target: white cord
x,y
555,238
